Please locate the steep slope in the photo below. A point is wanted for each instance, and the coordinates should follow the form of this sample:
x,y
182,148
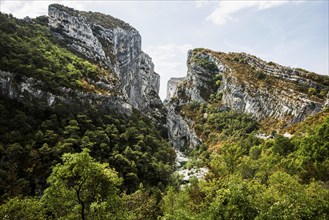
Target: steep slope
x,y
276,96
35,67
115,45
104,64
53,100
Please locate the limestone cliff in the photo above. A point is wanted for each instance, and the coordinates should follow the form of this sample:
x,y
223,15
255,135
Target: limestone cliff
x,y
31,90
172,85
115,45
245,83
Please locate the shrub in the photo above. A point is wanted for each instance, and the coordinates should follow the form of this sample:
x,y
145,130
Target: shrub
x,y
311,91
260,74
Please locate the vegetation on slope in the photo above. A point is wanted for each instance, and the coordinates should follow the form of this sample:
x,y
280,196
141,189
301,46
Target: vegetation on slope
x,y
70,161
249,177
106,21
30,50
278,178
33,141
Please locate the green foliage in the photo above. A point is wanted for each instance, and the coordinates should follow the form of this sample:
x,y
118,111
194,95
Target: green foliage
x,y
30,50
174,205
230,125
193,105
313,153
206,64
34,139
238,58
323,93
234,201
142,204
312,91
22,208
82,188
248,178
218,76
260,74
286,198
280,178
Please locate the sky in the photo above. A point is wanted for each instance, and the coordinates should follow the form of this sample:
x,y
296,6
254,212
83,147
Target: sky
x,y
291,33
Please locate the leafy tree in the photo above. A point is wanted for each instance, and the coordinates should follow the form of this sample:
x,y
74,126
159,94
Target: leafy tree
x,y
286,198
313,152
175,205
233,201
143,204
82,188
22,208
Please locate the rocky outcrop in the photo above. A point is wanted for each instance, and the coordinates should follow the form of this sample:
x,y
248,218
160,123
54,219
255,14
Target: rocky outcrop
x,y
181,133
294,75
115,45
247,84
272,91
264,102
172,85
30,90
196,86
79,32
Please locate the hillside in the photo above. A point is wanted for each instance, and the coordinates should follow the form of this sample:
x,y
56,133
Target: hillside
x,y
55,101
229,115
84,134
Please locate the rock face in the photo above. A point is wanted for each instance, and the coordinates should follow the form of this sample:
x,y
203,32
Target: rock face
x,y
79,31
172,86
274,91
181,133
113,44
247,84
29,89
196,86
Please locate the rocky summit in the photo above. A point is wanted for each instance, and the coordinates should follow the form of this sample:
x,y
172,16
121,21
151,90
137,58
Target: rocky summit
x,y
271,93
113,44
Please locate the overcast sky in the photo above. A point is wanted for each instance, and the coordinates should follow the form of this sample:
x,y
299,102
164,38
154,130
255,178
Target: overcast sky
x,y
292,33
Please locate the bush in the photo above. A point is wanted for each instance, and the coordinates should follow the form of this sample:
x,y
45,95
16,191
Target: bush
x,y
311,91
206,64
260,74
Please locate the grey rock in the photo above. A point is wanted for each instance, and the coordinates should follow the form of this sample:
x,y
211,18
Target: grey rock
x,y
187,174
172,86
261,100
181,133
27,90
116,46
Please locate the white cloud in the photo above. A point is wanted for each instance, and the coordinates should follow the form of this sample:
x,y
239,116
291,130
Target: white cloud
x,y
201,3
170,61
226,9
21,9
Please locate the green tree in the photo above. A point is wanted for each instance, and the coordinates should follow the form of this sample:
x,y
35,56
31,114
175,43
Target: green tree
x,y
175,205
22,208
82,188
233,201
286,198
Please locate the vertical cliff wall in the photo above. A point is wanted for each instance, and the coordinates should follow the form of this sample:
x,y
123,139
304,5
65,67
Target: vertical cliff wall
x,y
172,85
113,44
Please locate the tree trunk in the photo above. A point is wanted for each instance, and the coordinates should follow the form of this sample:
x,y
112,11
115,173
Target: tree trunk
x,y
81,202
82,210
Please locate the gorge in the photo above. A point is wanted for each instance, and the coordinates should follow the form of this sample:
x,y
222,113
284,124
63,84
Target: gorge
x,y
85,135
